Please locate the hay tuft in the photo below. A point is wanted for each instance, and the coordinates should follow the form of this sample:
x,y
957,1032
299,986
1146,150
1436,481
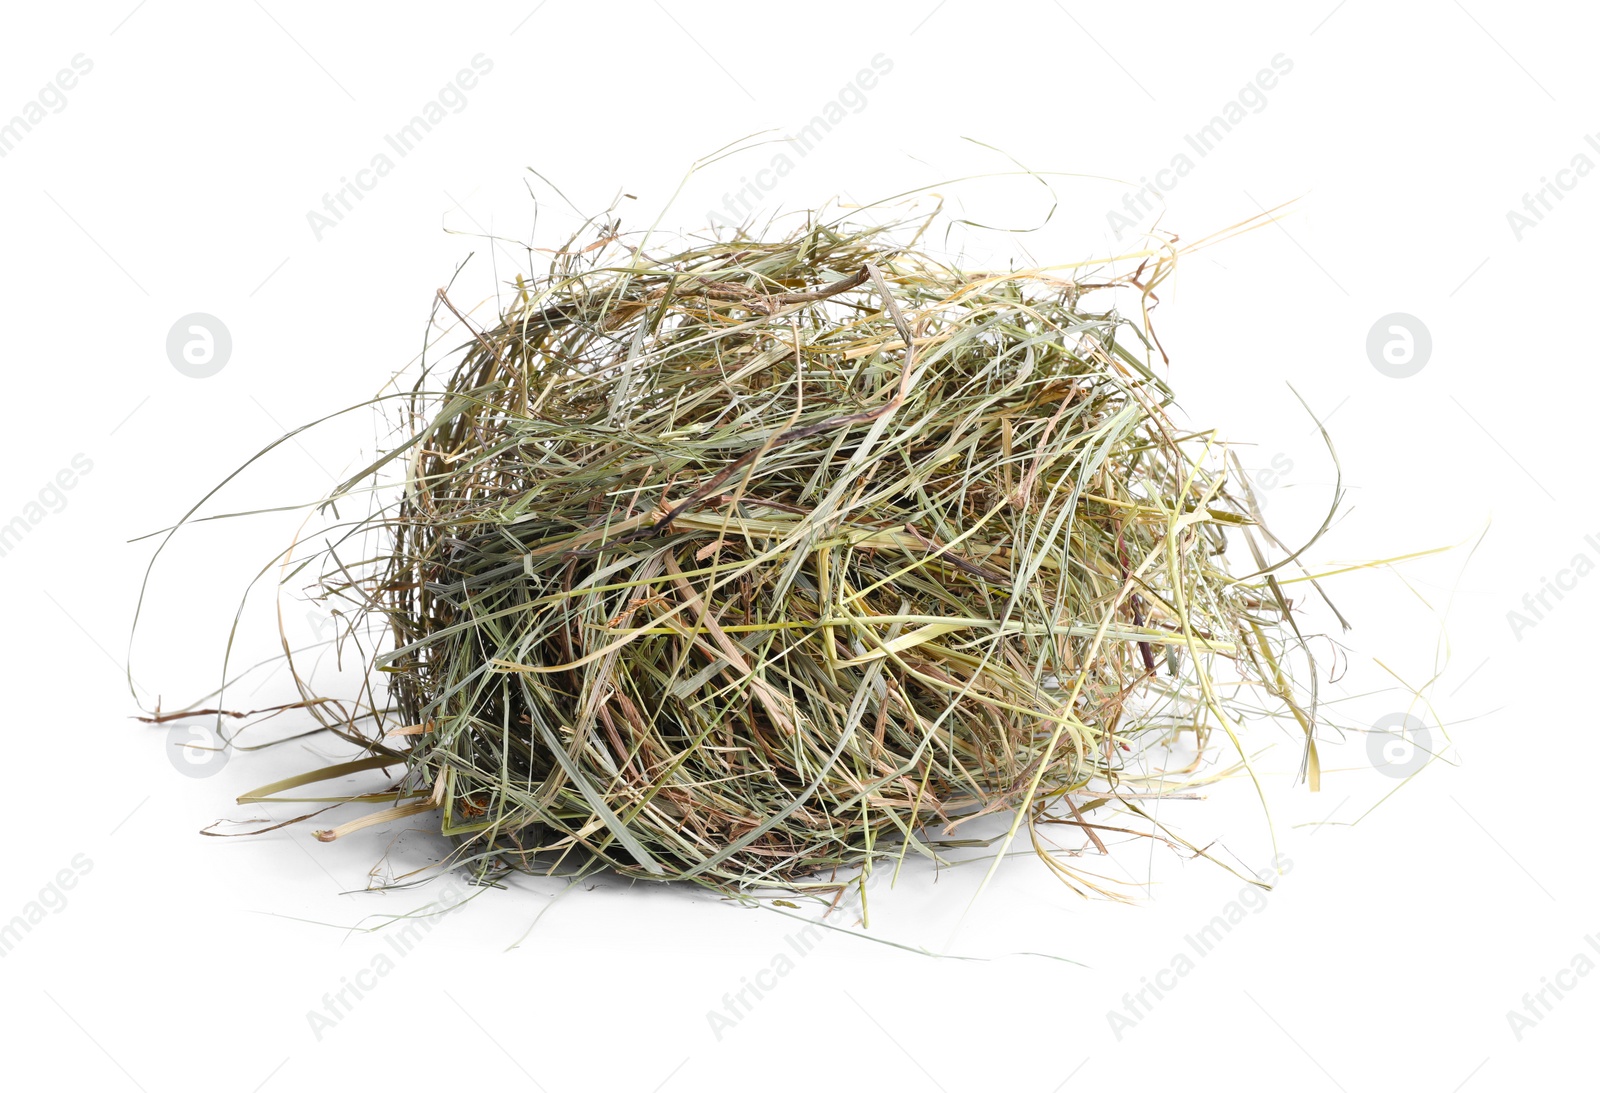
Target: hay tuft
x,y
769,558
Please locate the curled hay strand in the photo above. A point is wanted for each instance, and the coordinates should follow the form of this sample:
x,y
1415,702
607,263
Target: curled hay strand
x,y
777,557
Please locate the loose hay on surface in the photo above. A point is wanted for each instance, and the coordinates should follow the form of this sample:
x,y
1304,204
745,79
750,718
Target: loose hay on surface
x,y
769,559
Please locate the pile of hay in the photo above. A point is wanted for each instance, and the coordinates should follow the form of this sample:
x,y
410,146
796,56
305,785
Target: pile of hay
x,y
768,558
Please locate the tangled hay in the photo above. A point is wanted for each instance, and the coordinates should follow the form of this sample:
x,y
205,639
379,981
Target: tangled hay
x,y
770,558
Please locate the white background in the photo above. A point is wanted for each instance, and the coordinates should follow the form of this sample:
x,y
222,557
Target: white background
x,y
177,179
